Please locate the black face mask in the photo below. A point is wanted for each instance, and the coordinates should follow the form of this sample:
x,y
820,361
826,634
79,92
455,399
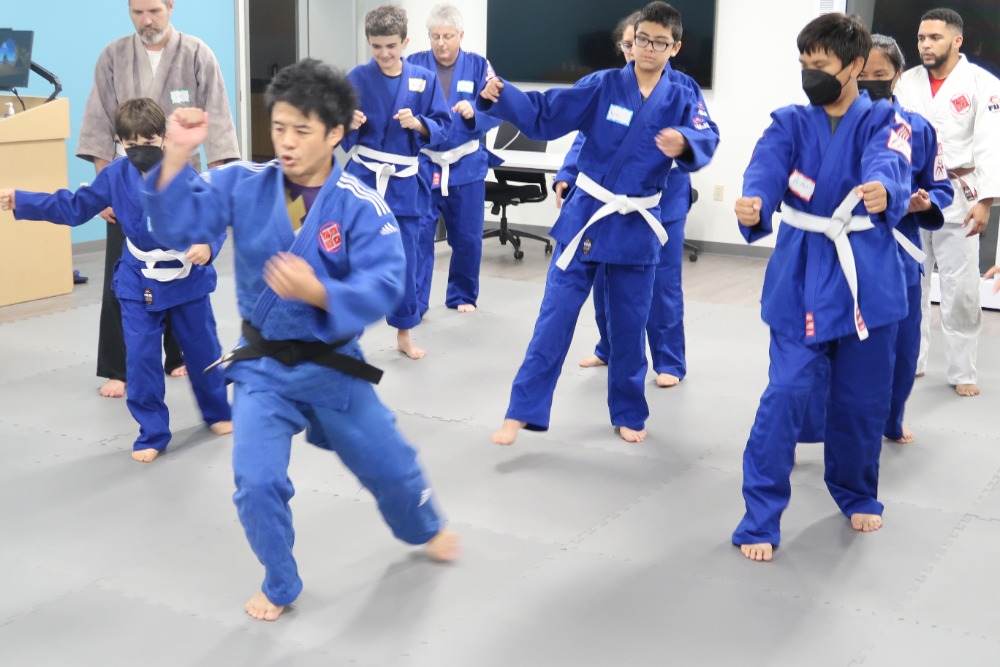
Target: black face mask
x,y
877,90
144,158
821,88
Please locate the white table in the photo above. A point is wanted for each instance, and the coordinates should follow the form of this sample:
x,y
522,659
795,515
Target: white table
x,y
548,163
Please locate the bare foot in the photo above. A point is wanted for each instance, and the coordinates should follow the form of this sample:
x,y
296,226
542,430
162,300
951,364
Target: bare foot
x,y
145,455
221,428
405,345
466,308
761,552
508,432
261,608
629,435
866,523
667,380
593,361
907,438
112,388
179,372
967,390
445,546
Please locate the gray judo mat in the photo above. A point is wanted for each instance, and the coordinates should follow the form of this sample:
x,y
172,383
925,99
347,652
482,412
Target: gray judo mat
x,y
579,549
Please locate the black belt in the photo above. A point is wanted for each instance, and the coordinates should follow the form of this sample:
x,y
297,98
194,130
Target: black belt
x,y
292,352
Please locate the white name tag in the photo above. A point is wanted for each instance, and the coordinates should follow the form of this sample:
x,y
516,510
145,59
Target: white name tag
x,y
801,185
465,86
418,85
620,115
181,96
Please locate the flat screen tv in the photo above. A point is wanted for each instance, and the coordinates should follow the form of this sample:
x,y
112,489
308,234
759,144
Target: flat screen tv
x,y
559,41
15,58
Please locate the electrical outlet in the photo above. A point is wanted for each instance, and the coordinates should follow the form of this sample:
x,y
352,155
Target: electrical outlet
x,y
719,192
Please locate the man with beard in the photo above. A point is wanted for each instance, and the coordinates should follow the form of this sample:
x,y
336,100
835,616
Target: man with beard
x,y
962,102
176,70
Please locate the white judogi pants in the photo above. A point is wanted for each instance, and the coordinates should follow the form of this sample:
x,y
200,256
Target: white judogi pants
x,y
957,258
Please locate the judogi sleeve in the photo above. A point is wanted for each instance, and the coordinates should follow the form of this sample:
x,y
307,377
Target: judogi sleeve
x,y
436,116
938,189
702,136
886,159
64,207
548,115
569,171
190,209
97,132
707,142
767,174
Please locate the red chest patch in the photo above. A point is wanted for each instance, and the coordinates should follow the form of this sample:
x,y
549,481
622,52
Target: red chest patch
x,y
960,104
330,237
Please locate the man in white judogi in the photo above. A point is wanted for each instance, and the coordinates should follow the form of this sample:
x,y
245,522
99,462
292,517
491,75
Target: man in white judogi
x,y
176,70
962,101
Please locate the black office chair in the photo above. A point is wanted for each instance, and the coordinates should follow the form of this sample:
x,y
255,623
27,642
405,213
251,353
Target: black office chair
x,y
690,247
514,187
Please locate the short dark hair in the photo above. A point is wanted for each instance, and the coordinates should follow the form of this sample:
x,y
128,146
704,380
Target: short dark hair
x,y
662,14
949,16
139,118
888,47
386,20
313,86
843,36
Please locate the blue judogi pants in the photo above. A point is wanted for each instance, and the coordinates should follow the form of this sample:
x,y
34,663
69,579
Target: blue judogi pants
x,y
408,314
665,326
363,434
194,328
630,290
860,387
463,212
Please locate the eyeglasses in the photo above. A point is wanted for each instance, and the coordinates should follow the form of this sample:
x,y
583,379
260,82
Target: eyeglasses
x,y
642,42
626,47
436,37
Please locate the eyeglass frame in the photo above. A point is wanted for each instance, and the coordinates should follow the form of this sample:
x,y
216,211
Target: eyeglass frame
x,y
640,38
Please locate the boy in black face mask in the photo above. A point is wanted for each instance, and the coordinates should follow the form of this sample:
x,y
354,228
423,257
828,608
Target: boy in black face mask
x,y
834,289
150,281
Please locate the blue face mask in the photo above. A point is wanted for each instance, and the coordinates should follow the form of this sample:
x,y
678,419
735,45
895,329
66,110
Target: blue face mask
x,y
144,158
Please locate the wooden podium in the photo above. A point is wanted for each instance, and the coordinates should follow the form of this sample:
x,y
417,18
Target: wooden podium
x,y
35,257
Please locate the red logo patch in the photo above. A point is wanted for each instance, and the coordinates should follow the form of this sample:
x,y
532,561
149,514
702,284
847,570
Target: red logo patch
x,y
436,182
810,326
860,320
330,236
960,104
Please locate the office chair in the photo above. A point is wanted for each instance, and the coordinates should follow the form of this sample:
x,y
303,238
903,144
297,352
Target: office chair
x,y
513,187
690,247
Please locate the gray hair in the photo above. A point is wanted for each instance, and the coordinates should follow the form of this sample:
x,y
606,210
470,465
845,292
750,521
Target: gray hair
x,y
445,14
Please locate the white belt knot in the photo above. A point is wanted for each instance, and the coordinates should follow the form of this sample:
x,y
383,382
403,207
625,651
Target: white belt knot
x,y
384,165
445,159
613,203
151,257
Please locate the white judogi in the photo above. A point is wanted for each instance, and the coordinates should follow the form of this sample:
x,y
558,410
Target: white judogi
x,y
966,115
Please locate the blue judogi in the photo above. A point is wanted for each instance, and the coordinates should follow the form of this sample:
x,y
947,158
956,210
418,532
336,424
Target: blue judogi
x,y
352,241
146,302
621,158
929,173
462,206
665,326
407,192
811,311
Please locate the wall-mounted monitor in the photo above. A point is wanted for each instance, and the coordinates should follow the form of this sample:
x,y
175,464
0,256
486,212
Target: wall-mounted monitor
x,y
15,58
559,41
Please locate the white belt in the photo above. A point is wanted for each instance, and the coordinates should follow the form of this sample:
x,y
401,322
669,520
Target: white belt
x,y
386,165
612,204
837,228
445,159
151,257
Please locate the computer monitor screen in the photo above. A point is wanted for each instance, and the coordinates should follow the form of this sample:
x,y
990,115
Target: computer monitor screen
x,y
15,58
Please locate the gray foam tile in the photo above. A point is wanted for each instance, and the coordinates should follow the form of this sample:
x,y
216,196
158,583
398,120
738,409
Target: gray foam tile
x,y
988,504
95,627
545,490
918,644
957,593
29,585
582,609
688,525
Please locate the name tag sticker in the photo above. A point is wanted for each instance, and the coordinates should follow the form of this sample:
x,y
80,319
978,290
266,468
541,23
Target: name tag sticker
x,y
801,185
180,96
620,115
418,85
465,86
